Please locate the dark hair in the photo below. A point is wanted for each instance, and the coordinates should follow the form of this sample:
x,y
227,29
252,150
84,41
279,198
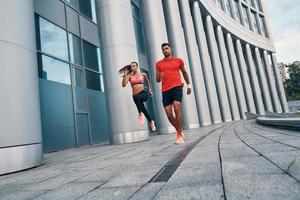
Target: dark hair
x,y
164,44
135,63
126,69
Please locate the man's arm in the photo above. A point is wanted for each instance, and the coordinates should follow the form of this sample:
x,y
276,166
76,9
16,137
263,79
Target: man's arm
x,y
158,75
187,80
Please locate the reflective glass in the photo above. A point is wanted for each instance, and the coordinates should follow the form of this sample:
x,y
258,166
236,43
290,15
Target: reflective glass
x,y
92,80
79,90
53,40
237,12
90,54
255,24
74,3
138,27
54,70
75,49
87,8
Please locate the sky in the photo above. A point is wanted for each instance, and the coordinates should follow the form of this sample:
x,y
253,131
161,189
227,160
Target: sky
x,y
284,18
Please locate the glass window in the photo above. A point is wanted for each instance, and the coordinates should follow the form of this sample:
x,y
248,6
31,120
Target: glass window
x,y
53,69
245,13
237,12
92,80
138,27
258,5
53,40
88,9
79,89
255,24
73,3
227,7
219,3
263,26
90,54
75,49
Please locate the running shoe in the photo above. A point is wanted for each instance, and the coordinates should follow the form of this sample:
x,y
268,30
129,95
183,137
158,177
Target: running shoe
x,y
152,126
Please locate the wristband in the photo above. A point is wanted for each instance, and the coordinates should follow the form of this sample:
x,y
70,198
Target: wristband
x,y
189,86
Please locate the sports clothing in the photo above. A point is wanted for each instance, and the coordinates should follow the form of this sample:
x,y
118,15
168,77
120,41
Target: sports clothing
x,y
169,67
174,94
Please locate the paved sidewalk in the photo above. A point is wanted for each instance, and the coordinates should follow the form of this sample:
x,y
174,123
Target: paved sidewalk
x,y
237,160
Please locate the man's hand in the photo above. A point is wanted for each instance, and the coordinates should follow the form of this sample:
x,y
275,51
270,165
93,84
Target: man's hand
x,y
189,89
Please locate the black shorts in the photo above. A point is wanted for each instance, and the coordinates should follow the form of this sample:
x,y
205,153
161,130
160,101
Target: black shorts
x,y
174,94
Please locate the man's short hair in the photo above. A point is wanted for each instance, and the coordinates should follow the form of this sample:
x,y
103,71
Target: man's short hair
x,y
164,44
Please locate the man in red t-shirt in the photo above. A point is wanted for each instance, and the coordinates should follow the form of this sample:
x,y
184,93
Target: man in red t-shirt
x,y
167,71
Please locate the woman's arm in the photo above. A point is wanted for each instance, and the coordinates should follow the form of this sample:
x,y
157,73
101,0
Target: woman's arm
x,y
148,82
125,80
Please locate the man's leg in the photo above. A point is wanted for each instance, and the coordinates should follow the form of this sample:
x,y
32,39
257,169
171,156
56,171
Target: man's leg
x,y
178,116
171,118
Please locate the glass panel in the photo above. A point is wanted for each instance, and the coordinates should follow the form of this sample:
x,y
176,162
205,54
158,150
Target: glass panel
x,y
75,49
245,12
227,7
219,3
93,80
83,129
73,3
102,83
262,24
53,39
138,27
237,12
99,60
87,8
90,54
255,25
79,90
53,70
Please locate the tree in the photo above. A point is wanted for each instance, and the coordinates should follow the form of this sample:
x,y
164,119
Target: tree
x,y
292,84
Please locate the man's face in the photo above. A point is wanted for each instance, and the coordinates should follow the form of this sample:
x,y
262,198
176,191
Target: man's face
x,y
166,50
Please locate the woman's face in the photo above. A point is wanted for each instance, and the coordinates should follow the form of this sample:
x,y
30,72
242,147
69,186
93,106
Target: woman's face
x,y
133,67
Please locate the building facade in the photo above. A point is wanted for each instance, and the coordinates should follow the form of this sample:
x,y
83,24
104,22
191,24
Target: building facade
x,y
60,86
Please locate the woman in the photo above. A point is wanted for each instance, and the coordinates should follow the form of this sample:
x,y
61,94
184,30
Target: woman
x,y
132,74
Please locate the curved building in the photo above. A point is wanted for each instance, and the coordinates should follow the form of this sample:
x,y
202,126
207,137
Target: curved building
x,y
60,86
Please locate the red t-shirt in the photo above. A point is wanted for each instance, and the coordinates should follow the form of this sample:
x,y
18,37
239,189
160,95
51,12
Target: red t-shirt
x,y
170,69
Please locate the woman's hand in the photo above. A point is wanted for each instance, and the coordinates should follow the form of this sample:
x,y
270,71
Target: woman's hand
x,y
151,93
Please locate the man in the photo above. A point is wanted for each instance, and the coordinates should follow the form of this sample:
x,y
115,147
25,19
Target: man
x,y
167,71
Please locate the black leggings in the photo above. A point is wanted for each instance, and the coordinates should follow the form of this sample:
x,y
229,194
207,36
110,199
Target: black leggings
x,y
139,100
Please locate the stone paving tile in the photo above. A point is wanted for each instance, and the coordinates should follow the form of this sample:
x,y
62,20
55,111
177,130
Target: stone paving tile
x,y
268,187
148,192
110,193
70,191
191,193
22,195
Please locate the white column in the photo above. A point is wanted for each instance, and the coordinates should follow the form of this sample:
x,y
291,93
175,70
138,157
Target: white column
x,y
263,81
227,75
196,67
279,85
119,49
236,77
155,27
20,119
177,42
217,69
271,83
245,77
206,65
254,81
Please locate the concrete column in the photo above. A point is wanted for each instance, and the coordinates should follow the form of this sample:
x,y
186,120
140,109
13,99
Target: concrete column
x,y
195,64
279,85
20,120
217,69
263,81
227,75
245,77
271,84
206,65
254,81
155,27
236,77
177,42
119,49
